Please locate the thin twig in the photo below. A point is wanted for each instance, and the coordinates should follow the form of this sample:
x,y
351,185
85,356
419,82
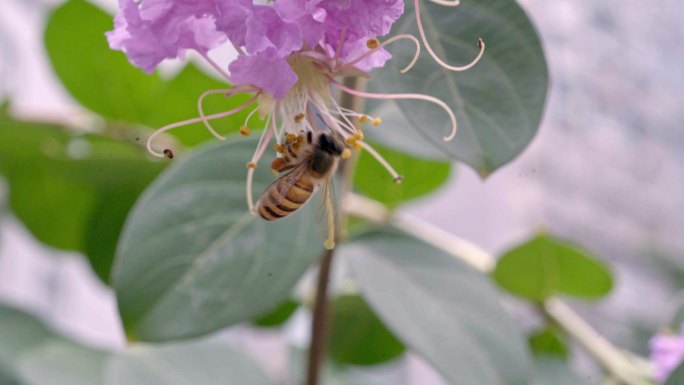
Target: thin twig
x,y
628,368
319,324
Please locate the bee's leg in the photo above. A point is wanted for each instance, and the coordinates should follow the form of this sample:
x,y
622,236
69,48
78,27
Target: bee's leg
x,y
282,164
309,137
330,211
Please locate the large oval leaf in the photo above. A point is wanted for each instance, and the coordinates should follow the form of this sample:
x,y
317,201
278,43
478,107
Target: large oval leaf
x,y
72,191
208,362
545,266
498,102
192,259
441,308
554,371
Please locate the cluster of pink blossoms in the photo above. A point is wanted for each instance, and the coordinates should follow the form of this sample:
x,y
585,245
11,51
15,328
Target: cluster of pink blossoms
x,y
290,53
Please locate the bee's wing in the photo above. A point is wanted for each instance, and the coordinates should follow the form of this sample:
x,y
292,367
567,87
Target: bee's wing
x,y
285,182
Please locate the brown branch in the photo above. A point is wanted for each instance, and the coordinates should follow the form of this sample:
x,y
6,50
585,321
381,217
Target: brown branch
x,y
319,324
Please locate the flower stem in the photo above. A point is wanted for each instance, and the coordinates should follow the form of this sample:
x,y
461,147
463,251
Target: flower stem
x,y
628,368
319,323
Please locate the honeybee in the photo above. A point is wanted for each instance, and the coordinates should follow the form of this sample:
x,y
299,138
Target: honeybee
x,y
311,164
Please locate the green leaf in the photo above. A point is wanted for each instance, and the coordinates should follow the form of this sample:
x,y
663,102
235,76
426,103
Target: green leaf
x,y
677,376
548,342
105,82
208,362
498,103
32,355
441,308
192,259
554,371
72,191
278,316
421,176
357,336
545,266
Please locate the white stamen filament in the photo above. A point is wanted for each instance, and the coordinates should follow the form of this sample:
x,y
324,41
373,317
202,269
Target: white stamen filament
x,y
421,31
385,43
427,98
395,175
447,3
194,120
200,109
264,139
249,116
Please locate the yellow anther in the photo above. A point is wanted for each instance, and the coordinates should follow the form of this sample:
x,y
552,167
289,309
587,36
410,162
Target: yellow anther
x,y
346,153
350,140
373,43
358,135
363,118
290,137
299,117
295,147
245,131
300,138
251,165
279,148
376,122
358,146
328,244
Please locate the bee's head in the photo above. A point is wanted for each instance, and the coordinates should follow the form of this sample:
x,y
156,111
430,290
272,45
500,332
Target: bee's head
x,y
329,144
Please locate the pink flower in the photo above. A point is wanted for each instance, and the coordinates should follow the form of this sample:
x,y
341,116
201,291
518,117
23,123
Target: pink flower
x,y
667,353
162,29
289,55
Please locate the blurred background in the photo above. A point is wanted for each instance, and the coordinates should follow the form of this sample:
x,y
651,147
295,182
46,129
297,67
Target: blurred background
x,y
606,170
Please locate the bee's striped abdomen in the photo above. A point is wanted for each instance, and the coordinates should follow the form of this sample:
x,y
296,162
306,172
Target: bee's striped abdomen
x,y
279,202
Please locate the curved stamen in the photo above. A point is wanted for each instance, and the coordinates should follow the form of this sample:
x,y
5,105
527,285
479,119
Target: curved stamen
x,y
265,138
194,120
200,106
447,3
395,175
249,116
426,98
385,43
421,31
340,43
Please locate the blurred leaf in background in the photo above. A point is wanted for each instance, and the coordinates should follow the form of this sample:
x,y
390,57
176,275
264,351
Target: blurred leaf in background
x,y
554,371
546,266
278,316
421,176
31,354
103,80
548,342
72,191
440,307
357,336
204,362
